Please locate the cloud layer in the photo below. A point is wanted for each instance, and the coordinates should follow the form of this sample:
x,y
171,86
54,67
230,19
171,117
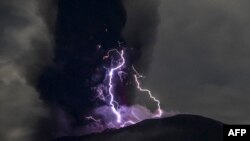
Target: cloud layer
x,y
201,60
26,47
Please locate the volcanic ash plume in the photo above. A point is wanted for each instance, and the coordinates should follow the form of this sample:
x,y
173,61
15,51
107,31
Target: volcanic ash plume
x,y
92,82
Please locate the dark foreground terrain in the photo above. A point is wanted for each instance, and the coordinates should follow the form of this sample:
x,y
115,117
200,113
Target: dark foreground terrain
x,y
175,128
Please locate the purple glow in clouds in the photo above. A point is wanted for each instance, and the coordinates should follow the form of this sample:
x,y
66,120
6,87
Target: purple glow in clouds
x,y
114,115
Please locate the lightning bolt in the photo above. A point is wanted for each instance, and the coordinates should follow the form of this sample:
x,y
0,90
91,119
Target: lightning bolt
x,y
130,122
93,119
121,120
111,73
100,92
159,110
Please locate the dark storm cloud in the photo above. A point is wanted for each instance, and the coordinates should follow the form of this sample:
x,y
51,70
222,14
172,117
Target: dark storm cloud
x,y
201,61
141,28
26,47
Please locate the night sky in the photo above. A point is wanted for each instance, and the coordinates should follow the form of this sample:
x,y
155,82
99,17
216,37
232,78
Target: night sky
x,y
194,53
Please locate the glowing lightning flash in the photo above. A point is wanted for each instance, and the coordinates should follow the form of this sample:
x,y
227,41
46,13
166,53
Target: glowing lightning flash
x,y
121,119
159,111
111,102
128,123
93,119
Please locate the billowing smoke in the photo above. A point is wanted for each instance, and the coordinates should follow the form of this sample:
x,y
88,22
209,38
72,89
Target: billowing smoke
x,y
140,30
140,33
85,33
26,48
52,52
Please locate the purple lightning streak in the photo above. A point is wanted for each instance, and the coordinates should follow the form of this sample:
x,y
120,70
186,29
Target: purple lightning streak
x,y
112,101
124,115
159,110
130,122
100,93
93,119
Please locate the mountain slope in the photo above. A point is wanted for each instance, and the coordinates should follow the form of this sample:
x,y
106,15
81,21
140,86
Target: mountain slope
x,y
175,128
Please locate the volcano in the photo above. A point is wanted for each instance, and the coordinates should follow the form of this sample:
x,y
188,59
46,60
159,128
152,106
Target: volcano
x,y
175,128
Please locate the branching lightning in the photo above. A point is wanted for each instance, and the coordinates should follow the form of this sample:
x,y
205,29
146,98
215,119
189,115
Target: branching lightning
x,y
121,119
159,111
136,77
111,73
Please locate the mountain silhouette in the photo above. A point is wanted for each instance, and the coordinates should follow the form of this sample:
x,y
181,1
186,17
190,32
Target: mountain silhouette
x,y
175,128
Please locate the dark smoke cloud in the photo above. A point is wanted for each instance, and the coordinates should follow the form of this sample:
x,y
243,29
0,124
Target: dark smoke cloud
x,y
201,59
67,85
140,33
141,28
80,27
26,48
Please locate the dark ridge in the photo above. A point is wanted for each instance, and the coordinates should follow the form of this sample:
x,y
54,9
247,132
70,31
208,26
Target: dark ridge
x,y
175,128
